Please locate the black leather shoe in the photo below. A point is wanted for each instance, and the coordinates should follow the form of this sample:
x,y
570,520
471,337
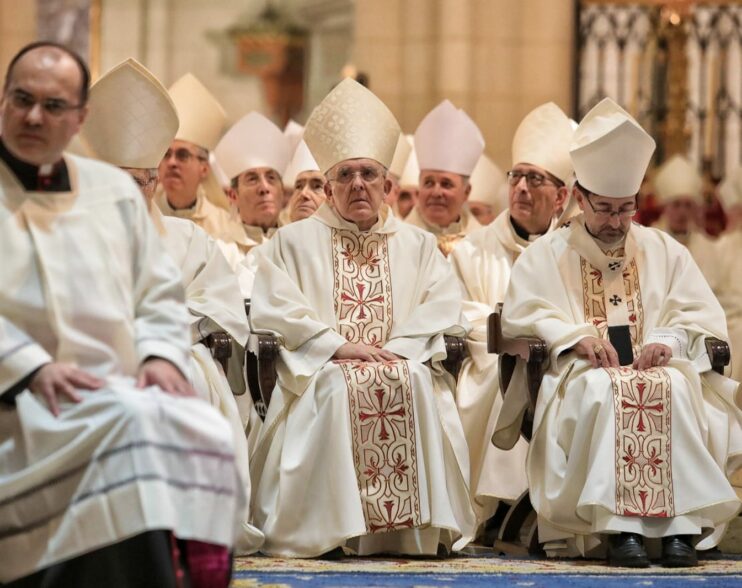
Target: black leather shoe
x,y
626,550
678,552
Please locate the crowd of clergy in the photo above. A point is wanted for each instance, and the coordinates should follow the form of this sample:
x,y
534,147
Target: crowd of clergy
x,y
133,228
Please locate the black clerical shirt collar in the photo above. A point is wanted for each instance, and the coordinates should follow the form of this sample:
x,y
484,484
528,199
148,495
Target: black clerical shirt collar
x,y
57,179
520,231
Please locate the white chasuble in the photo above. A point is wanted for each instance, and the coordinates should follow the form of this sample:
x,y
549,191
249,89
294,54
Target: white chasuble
x,y
483,262
729,290
85,281
214,303
448,236
619,449
367,456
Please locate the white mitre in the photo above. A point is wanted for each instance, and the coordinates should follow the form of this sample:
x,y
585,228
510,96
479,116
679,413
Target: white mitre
x,y
678,178
611,151
543,139
351,123
448,140
411,173
302,161
131,119
730,190
202,118
294,133
485,181
401,155
253,141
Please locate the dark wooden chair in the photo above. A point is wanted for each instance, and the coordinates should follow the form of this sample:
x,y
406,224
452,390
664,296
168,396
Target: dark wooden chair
x,y
261,355
518,533
220,345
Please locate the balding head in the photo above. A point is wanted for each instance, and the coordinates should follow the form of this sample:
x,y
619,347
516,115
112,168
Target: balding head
x,y
43,102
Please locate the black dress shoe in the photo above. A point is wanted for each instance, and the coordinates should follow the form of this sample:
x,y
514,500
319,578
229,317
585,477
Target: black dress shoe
x,y
678,552
626,550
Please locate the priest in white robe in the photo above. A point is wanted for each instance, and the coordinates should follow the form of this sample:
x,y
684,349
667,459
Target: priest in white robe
x,y
485,200
448,145
308,182
728,261
483,261
634,436
105,452
189,187
254,153
678,187
213,296
362,448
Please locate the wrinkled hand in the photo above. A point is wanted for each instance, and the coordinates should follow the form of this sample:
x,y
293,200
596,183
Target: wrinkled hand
x,y
362,352
652,355
61,379
162,373
605,357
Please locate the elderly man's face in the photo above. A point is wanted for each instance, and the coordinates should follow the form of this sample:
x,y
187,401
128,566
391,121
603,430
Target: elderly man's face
x,y
406,200
356,189
441,196
534,197
309,194
607,219
259,196
40,108
680,214
181,170
484,213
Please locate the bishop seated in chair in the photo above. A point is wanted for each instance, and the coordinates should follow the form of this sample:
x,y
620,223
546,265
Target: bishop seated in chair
x,y
634,436
362,448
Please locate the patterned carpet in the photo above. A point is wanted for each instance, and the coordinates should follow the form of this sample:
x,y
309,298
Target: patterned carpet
x,y
474,571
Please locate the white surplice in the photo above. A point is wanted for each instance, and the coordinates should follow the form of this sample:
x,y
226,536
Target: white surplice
x,y
214,303
618,449
702,248
447,236
729,290
483,261
85,280
368,456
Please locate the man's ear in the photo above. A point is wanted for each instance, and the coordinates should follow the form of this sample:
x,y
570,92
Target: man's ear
x,y
387,187
232,195
467,190
328,192
577,195
562,196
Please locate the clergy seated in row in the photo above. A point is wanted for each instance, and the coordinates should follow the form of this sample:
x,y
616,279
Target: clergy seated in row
x,y
483,262
634,435
485,201
678,186
189,188
728,256
362,448
448,145
105,449
211,287
253,154
308,185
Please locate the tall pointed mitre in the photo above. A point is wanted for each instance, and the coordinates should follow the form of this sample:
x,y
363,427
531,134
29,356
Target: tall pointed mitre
x,y
485,181
131,119
202,118
302,161
294,133
678,178
351,123
611,151
543,139
448,140
401,155
730,190
411,173
253,141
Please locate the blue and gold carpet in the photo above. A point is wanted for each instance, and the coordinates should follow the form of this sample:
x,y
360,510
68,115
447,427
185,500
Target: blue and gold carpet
x,y
266,572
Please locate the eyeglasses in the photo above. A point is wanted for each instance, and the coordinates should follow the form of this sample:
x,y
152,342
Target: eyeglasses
x,y
54,107
182,155
368,175
533,179
606,213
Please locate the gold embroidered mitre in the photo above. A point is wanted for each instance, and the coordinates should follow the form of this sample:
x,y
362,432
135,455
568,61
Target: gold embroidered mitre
x,y
351,123
202,118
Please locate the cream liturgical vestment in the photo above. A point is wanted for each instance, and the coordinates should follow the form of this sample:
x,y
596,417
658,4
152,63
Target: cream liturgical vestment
x,y
483,262
702,249
367,456
85,281
729,290
618,449
448,236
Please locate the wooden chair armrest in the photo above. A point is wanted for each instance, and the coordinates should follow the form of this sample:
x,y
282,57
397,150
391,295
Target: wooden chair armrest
x,y
719,353
220,345
456,351
261,355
